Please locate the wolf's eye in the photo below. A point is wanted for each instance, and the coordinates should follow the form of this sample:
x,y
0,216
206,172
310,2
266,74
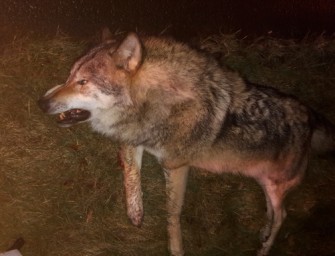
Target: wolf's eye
x,y
82,82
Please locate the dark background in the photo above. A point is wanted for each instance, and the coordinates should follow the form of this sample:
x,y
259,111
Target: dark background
x,y
180,18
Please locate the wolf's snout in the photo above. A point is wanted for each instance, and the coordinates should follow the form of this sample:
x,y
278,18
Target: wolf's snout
x,y
44,104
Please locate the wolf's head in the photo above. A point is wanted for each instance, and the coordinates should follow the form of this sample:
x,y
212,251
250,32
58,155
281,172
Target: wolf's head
x,y
99,80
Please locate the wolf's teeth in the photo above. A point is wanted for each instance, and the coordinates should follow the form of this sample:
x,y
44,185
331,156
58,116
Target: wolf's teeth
x,y
62,116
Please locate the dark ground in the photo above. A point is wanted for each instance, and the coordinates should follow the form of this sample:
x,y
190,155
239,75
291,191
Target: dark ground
x,y
183,19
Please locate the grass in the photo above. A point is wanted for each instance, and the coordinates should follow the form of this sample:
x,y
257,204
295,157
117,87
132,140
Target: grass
x,y
61,189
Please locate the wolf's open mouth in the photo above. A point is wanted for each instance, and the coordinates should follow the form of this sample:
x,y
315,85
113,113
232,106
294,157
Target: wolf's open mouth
x,y
72,117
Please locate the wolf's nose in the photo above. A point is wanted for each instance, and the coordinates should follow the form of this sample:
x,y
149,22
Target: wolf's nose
x,y
43,104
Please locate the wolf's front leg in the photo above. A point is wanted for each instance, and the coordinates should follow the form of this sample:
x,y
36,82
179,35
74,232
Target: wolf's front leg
x,y
176,181
131,161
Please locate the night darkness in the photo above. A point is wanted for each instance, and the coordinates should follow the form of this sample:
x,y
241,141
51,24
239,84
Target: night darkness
x,y
182,19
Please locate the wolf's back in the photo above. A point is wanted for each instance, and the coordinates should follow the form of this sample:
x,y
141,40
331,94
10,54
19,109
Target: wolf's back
x,y
323,138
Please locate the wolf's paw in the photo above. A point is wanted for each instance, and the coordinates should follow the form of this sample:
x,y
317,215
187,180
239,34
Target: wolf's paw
x,y
265,233
265,249
136,217
261,253
177,253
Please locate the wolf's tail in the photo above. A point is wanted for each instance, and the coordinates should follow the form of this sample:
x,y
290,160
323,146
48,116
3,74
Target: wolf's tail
x,y
323,138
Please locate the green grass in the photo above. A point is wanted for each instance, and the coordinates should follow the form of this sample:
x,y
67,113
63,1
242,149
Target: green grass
x,y
61,189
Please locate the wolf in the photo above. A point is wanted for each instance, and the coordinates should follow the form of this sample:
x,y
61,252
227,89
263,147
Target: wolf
x,y
177,103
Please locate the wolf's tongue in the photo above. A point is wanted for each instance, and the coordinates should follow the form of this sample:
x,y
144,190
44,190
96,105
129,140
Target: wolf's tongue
x,y
72,116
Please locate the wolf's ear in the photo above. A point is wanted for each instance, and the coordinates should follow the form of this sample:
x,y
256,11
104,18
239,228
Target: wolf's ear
x,y
106,34
129,53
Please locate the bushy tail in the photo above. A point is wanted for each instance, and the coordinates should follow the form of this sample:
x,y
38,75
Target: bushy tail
x,y
323,138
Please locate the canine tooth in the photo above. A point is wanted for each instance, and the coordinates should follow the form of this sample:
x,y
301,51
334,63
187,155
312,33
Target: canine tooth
x,y
62,116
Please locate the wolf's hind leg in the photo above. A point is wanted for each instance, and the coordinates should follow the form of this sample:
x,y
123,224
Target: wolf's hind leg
x,y
276,188
276,214
131,161
266,230
176,181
